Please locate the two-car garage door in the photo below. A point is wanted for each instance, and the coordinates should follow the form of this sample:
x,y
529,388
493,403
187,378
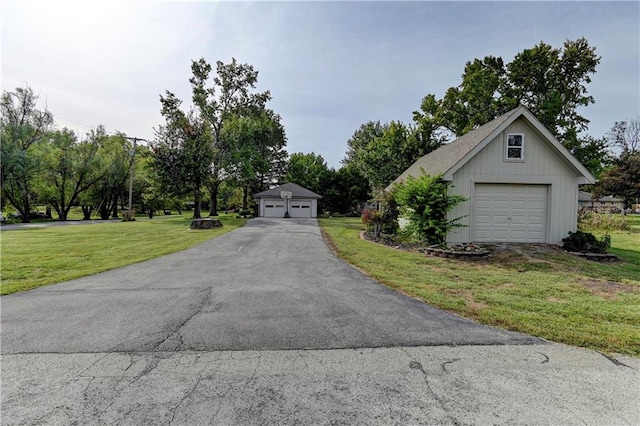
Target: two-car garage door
x,y
277,208
510,213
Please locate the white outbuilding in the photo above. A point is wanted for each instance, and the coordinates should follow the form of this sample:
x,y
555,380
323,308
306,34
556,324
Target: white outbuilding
x,y
287,199
520,182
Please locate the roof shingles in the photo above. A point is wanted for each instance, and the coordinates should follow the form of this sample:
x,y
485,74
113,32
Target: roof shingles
x,y
296,192
444,158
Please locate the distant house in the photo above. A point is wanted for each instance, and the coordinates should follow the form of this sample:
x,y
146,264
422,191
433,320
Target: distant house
x,y
521,184
608,204
302,203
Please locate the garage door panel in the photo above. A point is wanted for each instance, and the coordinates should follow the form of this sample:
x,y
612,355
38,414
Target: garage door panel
x,y
274,208
539,235
497,234
504,213
499,220
301,209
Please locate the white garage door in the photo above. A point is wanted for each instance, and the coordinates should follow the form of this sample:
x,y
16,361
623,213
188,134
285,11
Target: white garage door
x,y
274,208
510,213
300,208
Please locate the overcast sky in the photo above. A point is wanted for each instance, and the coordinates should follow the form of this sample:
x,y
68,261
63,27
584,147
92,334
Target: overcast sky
x,y
329,66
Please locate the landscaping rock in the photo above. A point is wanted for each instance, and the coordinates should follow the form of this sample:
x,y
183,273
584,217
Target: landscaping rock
x,y
598,257
459,251
205,223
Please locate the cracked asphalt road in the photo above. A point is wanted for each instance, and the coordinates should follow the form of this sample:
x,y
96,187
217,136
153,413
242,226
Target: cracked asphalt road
x,y
264,325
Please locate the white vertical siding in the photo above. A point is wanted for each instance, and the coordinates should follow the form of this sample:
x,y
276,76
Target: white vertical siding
x,y
540,166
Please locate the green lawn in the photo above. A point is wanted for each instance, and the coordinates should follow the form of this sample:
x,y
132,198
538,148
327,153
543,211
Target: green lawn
x,y
37,257
551,294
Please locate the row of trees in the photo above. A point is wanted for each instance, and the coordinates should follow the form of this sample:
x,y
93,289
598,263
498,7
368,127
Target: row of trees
x,y
228,144
42,165
224,147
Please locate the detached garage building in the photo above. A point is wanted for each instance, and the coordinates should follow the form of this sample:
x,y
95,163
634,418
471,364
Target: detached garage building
x,y
521,184
302,202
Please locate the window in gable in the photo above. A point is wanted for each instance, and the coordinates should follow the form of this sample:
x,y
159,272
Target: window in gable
x,y
515,146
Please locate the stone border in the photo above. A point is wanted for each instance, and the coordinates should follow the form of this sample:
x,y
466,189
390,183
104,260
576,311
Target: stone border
x,y
454,254
436,252
597,257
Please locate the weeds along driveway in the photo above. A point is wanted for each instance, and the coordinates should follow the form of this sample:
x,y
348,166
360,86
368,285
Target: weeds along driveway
x,y
272,284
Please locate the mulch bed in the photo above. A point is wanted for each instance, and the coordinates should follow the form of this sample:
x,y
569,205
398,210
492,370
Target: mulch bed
x,y
474,251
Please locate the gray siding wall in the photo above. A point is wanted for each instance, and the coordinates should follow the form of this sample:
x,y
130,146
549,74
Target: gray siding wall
x,y
540,166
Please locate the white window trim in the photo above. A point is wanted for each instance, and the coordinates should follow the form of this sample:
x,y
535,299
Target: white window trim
x,y
506,148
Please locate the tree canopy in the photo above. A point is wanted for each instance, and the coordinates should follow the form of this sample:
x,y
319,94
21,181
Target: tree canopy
x,y
22,126
550,82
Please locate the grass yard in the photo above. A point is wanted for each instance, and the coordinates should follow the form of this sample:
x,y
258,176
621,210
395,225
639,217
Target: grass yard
x,y
37,257
546,292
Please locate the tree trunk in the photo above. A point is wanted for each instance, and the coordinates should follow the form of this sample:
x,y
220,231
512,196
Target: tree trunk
x,y
104,212
27,209
245,196
213,206
47,213
86,212
196,207
114,213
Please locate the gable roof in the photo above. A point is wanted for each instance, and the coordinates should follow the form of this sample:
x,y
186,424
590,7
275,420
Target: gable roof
x,y
449,158
296,192
587,196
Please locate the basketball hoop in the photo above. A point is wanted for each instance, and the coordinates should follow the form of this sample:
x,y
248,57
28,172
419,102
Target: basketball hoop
x,y
285,194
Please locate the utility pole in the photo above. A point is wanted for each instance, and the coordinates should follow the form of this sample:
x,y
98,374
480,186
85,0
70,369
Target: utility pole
x,y
130,215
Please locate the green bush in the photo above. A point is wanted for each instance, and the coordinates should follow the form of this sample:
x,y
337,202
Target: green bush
x,y
372,219
425,202
602,222
384,219
585,242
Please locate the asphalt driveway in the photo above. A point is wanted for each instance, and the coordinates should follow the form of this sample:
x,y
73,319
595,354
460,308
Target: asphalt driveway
x,y
272,284
264,325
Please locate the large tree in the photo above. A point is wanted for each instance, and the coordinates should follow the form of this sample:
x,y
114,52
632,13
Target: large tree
x,y
230,94
307,170
344,191
114,165
249,146
360,140
22,126
625,135
622,179
382,152
551,82
70,168
592,152
184,151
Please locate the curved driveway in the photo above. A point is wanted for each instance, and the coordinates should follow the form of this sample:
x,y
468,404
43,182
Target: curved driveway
x,y
272,284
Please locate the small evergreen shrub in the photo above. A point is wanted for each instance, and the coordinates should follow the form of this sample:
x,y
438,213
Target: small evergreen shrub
x,y
244,214
585,242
